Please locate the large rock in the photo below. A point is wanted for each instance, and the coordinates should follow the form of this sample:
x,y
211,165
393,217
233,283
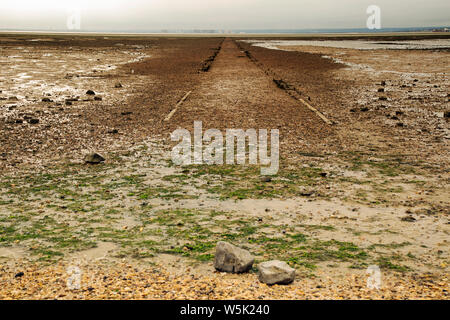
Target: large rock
x,y
230,258
275,272
94,158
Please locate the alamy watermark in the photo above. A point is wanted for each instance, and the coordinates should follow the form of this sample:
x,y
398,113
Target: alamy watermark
x,y
74,280
208,148
73,18
374,280
374,20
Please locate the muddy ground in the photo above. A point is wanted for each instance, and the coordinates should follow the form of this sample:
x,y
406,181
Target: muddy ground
x,y
369,189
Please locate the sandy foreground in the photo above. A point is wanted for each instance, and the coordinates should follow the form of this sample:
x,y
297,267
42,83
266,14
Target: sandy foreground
x,y
369,189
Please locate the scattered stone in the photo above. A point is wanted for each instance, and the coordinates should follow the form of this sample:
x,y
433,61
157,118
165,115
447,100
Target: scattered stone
x,y
114,131
98,99
364,109
90,92
230,258
47,100
408,219
275,272
383,83
94,158
13,99
383,98
447,114
118,85
19,275
68,103
381,90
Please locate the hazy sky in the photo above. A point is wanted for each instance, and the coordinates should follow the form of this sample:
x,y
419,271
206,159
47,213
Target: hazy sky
x,y
126,15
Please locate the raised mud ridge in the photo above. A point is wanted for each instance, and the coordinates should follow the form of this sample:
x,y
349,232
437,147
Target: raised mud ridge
x,y
206,65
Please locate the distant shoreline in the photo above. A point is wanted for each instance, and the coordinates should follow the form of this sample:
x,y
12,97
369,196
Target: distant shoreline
x,y
238,35
243,32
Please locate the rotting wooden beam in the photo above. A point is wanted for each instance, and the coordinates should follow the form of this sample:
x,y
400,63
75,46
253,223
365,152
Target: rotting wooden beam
x,y
320,114
177,106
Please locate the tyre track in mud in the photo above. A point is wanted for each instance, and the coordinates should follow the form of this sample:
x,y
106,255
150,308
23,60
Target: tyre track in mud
x,y
290,89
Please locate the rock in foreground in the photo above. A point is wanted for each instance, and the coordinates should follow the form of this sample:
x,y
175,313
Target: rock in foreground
x,y
275,272
94,158
232,259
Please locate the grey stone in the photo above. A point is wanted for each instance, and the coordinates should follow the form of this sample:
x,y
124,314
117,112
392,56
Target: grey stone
x,y
94,158
275,272
230,258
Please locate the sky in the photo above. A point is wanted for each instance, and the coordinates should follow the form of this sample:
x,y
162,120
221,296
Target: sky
x,y
145,15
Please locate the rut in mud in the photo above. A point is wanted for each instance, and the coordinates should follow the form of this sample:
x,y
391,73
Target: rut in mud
x,y
236,93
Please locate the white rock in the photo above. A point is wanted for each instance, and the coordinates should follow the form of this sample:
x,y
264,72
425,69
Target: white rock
x,y
275,272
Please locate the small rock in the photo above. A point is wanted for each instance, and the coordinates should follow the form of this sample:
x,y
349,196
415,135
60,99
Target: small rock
x,y
408,219
364,109
381,90
19,275
90,92
230,258
126,113
266,179
275,272
383,83
447,114
118,85
33,121
47,100
383,98
94,158
98,99
114,131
